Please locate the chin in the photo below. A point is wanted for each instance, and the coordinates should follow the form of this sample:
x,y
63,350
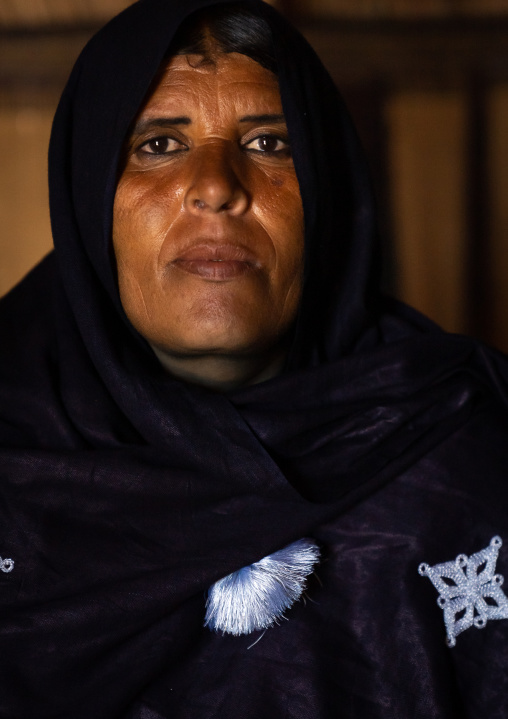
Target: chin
x,y
216,329
213,343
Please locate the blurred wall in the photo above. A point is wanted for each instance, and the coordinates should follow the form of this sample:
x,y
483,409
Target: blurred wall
x,y
24,214
429,94
427,84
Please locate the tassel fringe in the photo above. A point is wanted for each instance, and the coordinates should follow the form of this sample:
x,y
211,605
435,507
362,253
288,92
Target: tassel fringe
x,y
256,597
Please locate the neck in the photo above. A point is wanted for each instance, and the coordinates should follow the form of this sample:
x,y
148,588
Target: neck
x,y
222,372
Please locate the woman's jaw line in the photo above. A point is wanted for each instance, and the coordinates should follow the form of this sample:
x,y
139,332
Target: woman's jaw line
x,y
222,372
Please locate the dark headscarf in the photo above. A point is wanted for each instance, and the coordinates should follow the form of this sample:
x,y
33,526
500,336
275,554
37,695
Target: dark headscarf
x,y
124,493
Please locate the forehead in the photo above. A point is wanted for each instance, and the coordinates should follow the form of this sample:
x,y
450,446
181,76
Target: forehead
x,y
229,83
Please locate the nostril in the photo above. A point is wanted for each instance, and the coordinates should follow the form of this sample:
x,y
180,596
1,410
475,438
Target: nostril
x,y
202,205
216,192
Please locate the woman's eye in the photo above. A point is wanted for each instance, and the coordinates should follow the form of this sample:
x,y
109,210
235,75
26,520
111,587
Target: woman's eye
x,y
269,144
161,146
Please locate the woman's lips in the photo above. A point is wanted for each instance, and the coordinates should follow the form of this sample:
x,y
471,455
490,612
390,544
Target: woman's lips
x,y
216,262
214,269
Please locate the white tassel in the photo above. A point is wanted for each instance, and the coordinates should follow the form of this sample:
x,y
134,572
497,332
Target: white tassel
x,y
256,597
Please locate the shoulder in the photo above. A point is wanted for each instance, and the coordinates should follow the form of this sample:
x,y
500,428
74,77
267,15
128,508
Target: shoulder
x,y
27,358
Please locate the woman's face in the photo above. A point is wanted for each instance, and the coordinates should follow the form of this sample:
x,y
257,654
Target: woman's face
x,y
208,220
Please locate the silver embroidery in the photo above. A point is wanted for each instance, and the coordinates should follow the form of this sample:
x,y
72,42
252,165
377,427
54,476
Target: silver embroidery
x,y
6,565
467,596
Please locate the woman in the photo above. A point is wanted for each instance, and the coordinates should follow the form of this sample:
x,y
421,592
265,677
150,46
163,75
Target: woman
x,y
207,374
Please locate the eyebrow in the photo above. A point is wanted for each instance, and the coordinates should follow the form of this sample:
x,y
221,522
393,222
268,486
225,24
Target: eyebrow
x,y
263,118
144,125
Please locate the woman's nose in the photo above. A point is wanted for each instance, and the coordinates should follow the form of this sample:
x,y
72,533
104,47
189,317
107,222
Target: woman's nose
x,y
215,185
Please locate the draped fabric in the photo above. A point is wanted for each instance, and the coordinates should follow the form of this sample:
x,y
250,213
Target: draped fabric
x,y
124,493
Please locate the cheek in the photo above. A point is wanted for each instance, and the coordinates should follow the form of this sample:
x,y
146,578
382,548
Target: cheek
x,y
143,212
135,229
142,215
281,213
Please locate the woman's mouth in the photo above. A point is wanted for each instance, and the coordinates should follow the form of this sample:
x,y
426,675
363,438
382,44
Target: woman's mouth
x,y
216,262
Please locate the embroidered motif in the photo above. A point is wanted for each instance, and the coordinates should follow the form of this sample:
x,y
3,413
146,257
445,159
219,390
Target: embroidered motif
x,y
6,565
468,596
256,596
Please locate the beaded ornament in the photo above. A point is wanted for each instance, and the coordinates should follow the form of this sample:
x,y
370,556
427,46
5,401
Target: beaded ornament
x,y
6,565
469,592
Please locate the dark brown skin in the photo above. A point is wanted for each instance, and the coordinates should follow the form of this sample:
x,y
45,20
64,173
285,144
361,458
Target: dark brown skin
x,y
208,223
